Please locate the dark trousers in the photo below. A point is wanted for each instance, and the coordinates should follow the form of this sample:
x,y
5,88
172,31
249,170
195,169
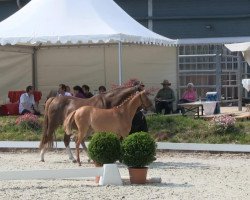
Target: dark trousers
x,y
163,105
139,123
27,111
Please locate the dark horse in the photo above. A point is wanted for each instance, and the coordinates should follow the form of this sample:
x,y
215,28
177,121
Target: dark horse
x,y
58,108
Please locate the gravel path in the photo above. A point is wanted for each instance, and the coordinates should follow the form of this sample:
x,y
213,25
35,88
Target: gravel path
x,y
184,176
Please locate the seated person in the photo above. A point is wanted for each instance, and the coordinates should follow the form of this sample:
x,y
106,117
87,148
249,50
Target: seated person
x,y
62,91
188,96
86,91
68,90
78,92
101,89
164,98
27,102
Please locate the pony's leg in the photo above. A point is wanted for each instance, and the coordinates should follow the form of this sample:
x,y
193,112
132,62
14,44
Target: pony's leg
x,y
84,146
42,153
89,132
85,149
68,150
78,152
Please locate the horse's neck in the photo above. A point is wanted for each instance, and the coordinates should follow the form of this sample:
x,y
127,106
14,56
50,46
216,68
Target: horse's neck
x,y
129,108
118,96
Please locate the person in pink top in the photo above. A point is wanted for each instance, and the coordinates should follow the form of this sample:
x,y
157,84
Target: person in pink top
x,y
188,96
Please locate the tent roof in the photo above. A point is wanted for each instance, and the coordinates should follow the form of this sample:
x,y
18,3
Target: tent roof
x,y
244,46
75,22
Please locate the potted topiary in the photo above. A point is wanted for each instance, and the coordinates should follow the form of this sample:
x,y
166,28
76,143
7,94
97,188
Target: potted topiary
x,y
104,148
138,151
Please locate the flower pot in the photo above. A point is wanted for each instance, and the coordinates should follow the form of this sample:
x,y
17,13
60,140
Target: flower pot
x,y
138,175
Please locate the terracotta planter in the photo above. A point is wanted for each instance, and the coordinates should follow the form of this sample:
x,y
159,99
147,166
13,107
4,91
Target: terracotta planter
x,y
97,178
138,175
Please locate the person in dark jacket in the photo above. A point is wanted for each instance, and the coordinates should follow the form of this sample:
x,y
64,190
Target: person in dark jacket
x,y
139,122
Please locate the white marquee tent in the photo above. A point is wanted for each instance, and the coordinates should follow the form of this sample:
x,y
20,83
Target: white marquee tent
x,y
244,47
54,41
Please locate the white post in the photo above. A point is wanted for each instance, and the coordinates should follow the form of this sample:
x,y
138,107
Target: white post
x,y
120,61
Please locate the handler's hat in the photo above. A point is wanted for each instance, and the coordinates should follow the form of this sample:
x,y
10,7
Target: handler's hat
x,y
166,82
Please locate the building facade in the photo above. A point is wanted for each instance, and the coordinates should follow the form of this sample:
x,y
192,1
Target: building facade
x,y
209,65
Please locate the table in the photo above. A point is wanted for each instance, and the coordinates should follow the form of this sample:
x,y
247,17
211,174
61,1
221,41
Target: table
x,y
14,96
209,107
198,108
193,108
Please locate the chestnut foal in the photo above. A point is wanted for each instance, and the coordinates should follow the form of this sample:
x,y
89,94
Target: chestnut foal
x,y
58,108
89,119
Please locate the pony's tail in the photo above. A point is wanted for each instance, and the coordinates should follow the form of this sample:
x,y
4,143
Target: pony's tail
x,y
69,123
46,137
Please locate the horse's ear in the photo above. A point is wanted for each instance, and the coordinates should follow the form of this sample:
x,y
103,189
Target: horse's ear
x,y
137,87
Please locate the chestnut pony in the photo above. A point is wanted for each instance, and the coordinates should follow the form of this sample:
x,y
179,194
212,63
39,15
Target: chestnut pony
x,y
89,119
58,108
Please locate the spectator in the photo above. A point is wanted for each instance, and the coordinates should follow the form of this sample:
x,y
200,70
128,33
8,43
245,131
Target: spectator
x,y
27,102
62,91
139,122
102,89
68,90
188,96
78,92
164,98
86,91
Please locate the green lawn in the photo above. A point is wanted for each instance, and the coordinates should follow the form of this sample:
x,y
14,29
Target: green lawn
x,y
163,128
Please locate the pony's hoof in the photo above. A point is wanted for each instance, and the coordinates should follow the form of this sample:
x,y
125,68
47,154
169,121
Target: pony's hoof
x,y
42,160
74,161
89,160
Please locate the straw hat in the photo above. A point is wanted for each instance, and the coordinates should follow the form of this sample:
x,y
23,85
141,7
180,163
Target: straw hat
x,y
166,82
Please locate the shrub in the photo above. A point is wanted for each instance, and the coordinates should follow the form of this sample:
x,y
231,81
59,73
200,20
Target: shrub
x,y
104,148
138,150
29,121
224,124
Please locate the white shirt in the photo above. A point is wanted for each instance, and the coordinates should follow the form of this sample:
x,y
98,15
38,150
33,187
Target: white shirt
x,y
26,102
65,94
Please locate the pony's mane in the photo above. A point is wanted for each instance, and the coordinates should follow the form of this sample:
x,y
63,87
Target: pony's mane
x,y
127,99
119,87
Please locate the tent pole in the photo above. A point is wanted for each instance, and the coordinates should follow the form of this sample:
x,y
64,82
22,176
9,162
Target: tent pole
x,y
34,68
120,61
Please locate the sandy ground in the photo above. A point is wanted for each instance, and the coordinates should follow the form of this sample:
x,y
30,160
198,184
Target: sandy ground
x,y
184,176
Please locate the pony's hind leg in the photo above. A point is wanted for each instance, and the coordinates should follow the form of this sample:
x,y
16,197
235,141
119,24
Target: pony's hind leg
x,y
68,150
78,142
42,153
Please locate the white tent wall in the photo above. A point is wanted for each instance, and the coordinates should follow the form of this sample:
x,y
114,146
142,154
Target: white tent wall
x,y
247,56
151,64
98,65
71,66
15,72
